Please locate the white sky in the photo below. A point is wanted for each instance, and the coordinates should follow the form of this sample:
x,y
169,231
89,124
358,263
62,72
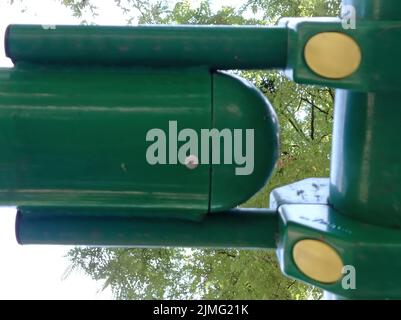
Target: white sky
x,y
35,272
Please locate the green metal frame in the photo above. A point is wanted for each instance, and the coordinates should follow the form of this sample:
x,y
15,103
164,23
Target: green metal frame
x,y
357,211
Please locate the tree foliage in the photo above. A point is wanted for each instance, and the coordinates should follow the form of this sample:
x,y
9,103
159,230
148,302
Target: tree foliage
x,y
188,274
273,10
305,115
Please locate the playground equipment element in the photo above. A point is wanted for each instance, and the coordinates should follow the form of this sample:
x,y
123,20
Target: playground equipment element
x,y
79,102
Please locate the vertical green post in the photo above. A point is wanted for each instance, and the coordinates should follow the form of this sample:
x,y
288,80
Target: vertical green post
x,y
350,245
365,168
365,171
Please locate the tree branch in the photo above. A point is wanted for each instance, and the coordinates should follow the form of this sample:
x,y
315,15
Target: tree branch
x,y
227,254
314,106
312,123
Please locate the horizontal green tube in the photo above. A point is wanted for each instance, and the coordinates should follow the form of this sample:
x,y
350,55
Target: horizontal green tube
x,y
216,47
237,228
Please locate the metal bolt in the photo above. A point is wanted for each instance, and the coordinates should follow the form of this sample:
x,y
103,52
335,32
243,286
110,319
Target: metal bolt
x,y
192,162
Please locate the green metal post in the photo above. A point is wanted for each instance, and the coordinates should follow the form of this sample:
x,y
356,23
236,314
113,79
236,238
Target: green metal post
x,y
347,228
365,168
366,159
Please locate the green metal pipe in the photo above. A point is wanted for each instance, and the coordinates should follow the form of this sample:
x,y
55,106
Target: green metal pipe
x,y
237,228
216,47
365,167
365,172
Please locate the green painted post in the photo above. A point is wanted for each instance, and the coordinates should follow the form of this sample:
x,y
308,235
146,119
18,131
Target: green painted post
x,y
343,235
366,159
